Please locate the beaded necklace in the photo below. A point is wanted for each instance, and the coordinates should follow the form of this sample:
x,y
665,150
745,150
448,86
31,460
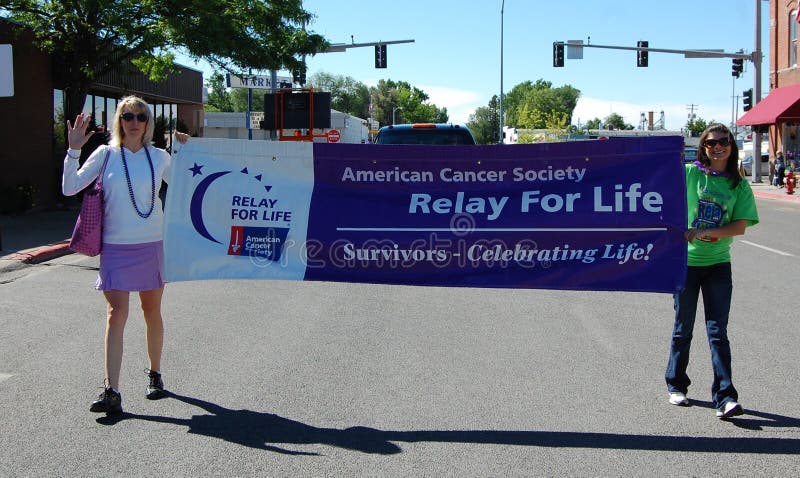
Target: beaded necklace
x,y
130,188
702,167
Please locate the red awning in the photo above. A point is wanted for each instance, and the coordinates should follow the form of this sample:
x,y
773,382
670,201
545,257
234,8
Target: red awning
x,y
781,105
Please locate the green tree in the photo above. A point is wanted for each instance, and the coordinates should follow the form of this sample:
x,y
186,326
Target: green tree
x,y
696,126
347,95
218,97
239,99
88,38
532,105
594,123
409,104
615,121
222,98
485,122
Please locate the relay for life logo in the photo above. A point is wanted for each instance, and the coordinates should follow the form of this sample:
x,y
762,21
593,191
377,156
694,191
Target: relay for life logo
x,y
257,223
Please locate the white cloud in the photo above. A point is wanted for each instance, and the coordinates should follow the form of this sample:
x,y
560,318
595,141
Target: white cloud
x,y
459,103
675,115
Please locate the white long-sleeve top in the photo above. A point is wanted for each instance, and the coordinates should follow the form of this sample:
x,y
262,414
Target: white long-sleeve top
x,y
121,223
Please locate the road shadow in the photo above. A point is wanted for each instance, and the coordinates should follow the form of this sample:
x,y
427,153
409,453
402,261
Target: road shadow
x,y
754,419
271,432
263,430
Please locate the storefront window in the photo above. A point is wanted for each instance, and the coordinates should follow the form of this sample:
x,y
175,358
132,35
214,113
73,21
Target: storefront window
x,y
793,38
791,145
59,128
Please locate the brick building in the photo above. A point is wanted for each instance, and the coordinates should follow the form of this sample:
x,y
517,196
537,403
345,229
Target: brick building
x,y
779,111
32,123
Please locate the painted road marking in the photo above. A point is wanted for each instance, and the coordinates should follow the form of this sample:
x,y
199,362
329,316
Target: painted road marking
x,y
4,376
768,249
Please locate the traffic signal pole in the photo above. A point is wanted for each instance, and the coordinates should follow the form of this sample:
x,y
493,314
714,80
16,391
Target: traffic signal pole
x,y
757,95
341,47
643,47
707,53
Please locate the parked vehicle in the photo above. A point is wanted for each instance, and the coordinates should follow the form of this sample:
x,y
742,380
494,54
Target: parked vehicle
x,y
425,133
689,155
747,164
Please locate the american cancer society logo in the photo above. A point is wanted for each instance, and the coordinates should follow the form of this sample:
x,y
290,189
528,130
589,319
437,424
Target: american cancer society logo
x,y
259,224
263,242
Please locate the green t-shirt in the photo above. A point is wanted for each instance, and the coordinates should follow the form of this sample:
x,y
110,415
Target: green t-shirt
x,y
712,203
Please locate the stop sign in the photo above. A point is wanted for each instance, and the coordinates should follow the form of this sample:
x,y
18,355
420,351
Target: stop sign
x,y
333,136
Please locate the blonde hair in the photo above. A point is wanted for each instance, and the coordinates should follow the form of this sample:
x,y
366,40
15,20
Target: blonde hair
x,y
133,104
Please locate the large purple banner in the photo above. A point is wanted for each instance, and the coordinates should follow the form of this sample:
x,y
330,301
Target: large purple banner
x,y
585,215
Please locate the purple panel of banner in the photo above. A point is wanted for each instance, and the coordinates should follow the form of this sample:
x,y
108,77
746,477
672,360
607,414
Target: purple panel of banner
x,y
585,215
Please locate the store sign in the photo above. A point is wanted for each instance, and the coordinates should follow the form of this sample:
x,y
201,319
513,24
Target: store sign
x,y
256,117
263,82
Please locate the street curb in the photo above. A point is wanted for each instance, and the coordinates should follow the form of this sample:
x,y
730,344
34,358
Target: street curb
x,y
40,254
777,196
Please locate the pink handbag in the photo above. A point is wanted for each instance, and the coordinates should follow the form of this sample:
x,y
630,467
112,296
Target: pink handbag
x,y
87,237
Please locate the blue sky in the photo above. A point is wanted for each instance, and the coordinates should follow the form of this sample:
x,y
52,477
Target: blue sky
x,y
455,57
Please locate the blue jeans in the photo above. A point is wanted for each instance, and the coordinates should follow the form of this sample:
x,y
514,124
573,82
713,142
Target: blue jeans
x,y
716,284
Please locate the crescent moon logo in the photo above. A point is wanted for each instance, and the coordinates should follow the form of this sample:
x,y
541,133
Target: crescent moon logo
x,y
196,207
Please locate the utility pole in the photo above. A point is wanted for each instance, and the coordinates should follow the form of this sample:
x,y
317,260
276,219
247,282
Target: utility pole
x,y
249,108
500,137
691,107
757,95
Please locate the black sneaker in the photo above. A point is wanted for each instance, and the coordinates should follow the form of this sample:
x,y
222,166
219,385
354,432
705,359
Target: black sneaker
x,y
110,401
155,389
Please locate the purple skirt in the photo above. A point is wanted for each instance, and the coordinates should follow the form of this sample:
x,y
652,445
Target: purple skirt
x,y
131,267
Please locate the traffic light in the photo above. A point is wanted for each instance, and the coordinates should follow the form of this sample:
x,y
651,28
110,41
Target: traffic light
x,y
558,54
738,66
380,56
299,75
747,99
641,55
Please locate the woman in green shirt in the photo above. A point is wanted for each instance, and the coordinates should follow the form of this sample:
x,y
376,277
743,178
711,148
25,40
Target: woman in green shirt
x,y
720,205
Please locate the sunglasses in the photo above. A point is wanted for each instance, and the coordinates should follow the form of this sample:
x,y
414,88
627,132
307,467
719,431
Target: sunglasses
x,y
140,117
710,143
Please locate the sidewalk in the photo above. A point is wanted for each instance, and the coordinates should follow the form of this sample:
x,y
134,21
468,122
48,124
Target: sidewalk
x,y
35,237
44,235
768,191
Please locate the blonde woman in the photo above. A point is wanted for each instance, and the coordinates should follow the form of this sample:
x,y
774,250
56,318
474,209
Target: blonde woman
x,y
132,257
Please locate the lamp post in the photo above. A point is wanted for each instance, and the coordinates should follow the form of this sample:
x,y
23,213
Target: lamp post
x,y
394,109
502,6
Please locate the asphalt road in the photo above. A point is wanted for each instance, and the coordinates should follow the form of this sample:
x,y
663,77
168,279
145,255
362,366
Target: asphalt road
x,y
272,378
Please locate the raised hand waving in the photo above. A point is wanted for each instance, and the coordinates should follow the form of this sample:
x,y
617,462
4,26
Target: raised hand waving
x,y
76,134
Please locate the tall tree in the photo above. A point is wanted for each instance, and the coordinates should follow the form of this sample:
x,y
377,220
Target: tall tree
x,y
485,122
406,103
218,97
239,99
88,38
616,121
347,95
533,105
594,123
696,126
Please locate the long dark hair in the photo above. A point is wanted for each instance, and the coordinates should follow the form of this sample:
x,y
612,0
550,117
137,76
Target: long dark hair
x,y
732,166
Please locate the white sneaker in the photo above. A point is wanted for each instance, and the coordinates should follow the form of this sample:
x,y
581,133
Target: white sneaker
x,y
731,409
678,398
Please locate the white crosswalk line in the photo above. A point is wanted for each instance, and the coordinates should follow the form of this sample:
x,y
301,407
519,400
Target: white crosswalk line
x,y
768,248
